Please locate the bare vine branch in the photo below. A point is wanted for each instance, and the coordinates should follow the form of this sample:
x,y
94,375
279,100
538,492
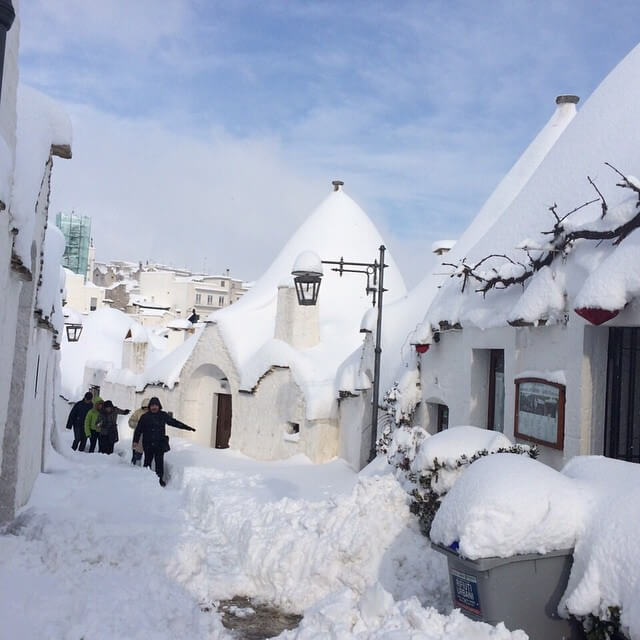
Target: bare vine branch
x,y
560,243
605,208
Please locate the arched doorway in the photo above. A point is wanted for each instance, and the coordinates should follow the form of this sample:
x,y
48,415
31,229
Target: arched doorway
x,y
208,406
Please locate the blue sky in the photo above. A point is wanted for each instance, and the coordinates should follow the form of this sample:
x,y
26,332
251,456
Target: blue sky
x,y
209,130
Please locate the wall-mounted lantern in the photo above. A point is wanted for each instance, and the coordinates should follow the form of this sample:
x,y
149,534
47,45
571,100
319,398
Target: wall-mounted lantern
x,y
74,330
307,275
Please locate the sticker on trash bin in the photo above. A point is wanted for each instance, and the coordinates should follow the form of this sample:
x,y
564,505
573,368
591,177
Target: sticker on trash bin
x,y
465,592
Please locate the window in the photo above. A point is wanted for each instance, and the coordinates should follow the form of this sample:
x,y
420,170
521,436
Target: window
x,y
198,298
221,301
222,283
443,417
93,304
495,419
209,300
539,415
622,415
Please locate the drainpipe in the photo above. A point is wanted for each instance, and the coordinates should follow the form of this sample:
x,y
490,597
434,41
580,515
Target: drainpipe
x,y
7,16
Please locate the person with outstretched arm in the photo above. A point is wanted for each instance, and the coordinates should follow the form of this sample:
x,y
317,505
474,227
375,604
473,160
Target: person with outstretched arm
x,y
76,419
155,441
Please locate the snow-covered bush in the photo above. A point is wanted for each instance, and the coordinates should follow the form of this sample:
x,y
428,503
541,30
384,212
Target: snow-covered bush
x,y
399,404
428,466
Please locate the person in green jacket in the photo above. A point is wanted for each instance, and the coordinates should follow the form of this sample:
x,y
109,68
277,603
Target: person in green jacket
x,y
91,427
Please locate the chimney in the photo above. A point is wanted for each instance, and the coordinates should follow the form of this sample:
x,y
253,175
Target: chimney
x,y
295,324
337,185
567,99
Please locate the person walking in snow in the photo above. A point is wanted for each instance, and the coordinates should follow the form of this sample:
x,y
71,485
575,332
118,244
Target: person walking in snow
x,y
91,428
108,426
134,418
155,441
76,418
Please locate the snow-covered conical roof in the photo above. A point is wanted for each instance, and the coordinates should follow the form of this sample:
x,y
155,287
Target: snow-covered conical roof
x,y
337,228
401,318
605,130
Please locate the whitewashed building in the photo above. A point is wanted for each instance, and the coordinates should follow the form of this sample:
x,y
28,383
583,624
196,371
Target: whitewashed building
x,y
32,131
537,333
399,357
260,374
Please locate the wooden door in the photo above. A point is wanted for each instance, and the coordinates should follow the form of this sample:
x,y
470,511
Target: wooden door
x,y
223,423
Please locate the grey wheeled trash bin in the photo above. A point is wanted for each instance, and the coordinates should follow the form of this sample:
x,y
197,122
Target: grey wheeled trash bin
x,y
522,591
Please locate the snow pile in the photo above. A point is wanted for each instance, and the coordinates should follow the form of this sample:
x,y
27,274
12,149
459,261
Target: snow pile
x,y
41,124
543,299
442,452
505,505
376,616
606,567
247,326
341,547
616,281
293,552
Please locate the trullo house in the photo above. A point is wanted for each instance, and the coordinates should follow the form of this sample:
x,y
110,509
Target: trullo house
x,y
537,331
400,358
259,376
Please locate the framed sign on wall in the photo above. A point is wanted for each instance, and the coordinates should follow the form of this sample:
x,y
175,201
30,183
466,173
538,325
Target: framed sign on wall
x,y
539,414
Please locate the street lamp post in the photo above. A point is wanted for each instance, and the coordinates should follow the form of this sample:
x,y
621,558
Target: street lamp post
x,y
307,273
7,16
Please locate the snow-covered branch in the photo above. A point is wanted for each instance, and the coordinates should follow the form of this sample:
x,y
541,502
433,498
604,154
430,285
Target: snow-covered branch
x,y
562,240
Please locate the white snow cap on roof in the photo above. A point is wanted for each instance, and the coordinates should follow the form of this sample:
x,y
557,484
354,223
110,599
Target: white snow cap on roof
x,y
603,131
401,318
442,245
41,124
338,227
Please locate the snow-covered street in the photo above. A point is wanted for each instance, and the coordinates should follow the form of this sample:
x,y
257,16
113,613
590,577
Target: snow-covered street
x,y
102,551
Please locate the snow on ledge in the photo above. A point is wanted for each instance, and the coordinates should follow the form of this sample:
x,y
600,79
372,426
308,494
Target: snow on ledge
x,y
42,128
558,376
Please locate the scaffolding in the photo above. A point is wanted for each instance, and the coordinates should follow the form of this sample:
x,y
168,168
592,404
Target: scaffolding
x,y
77,236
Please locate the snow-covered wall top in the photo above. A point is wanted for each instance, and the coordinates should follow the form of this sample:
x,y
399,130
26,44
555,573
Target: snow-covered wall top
x,y
604,130
337,228
41,124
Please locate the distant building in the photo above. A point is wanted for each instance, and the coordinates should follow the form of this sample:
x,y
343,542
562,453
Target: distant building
x,y
77,236
83,296
143,289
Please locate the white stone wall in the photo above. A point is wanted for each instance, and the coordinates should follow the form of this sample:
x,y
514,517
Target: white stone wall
x,y
455,372
33,369
9,285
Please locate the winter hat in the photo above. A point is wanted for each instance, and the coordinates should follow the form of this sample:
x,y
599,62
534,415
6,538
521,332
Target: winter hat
x,y
107,404
88,396
155,401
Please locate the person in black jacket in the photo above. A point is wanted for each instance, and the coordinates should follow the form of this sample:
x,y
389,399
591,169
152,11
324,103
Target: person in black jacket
x,y
155,441
76,418
108,426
